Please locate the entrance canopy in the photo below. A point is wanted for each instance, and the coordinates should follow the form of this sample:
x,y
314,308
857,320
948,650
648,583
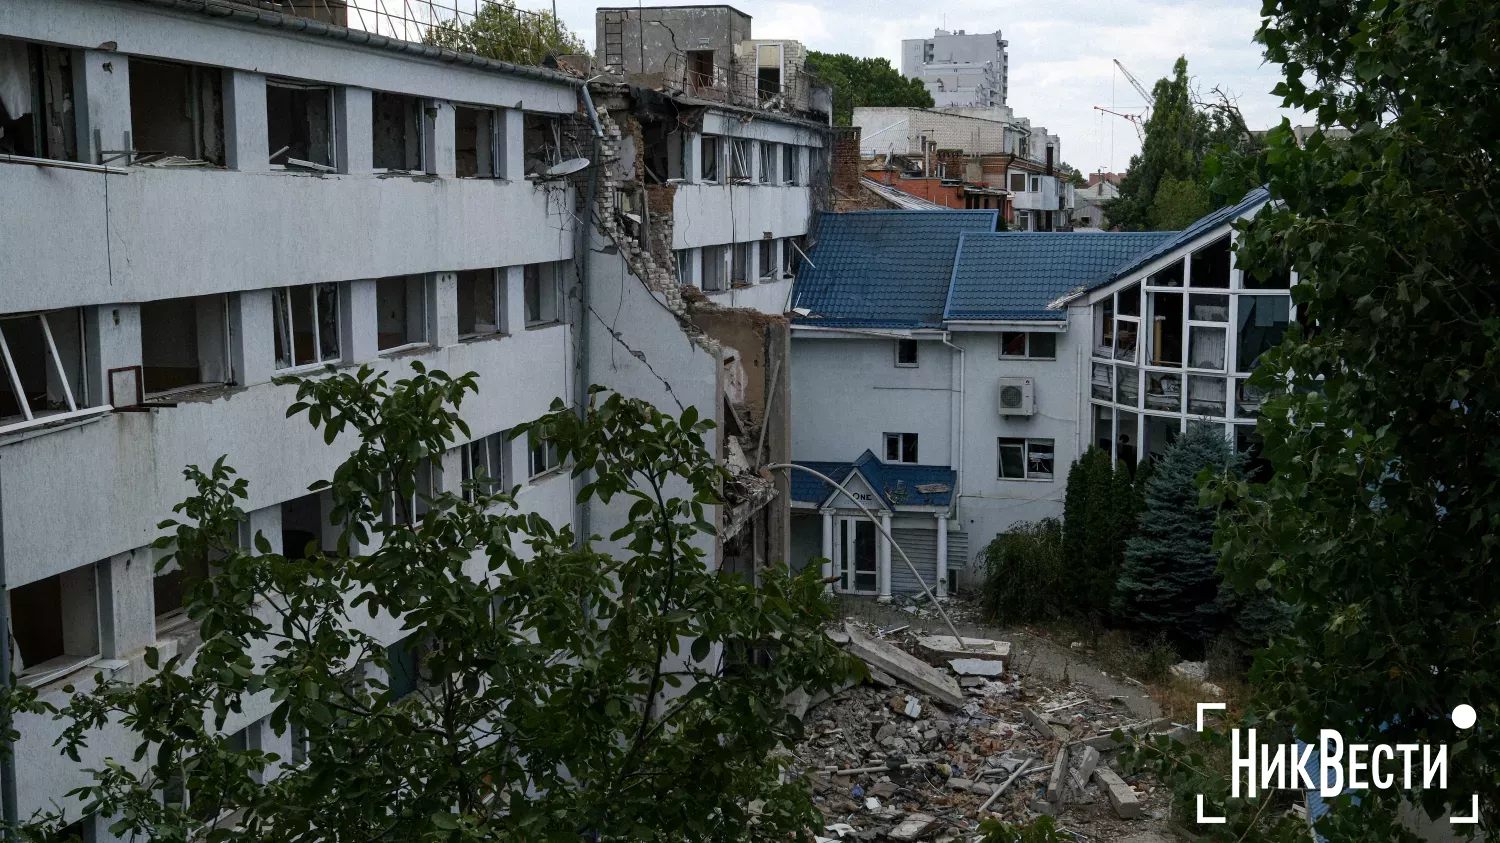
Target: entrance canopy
x,y
880,486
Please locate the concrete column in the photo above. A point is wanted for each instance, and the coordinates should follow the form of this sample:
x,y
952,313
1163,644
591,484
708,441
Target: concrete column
x,y
692,156
127,612
114,342
883,558
442,306
357,322
101,96
265,521
246,146
354,137
452,471
252,348
827,549
754,163
941,588
515,299
512,143
442,139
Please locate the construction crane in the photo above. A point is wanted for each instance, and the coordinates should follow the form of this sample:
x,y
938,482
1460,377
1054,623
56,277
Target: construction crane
x,y
1139,88
1136,119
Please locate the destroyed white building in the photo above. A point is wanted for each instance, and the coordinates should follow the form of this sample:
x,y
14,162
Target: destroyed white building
x,y
201,196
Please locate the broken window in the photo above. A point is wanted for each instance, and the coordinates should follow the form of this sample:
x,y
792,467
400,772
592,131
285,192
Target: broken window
x,y
739,160
709,171
477,147
171,585
1168,276
1034,345
542,142
184,343
767,163
1210,265
54,625
901,447
768,70
481,302
486,465
700,69
42,355
302,524
299,125
426,484
1262,322
1166,328
739,264
398,121
790,160
663,151
1025,459
543,455
1163,391
36,101
401,311
1206,347
176,110
685,273
1206,396
906,353
715,269
541,280
767,258
1127,386
306,327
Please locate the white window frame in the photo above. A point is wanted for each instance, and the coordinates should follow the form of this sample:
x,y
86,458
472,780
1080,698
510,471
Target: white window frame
x,y
740,164
545,278
494,459
1025,443
55,668
423,336
916,360
77,403
715,268
333,124
496,158
281,304
541,458
497,281
769,159
791,162
900,441
767,271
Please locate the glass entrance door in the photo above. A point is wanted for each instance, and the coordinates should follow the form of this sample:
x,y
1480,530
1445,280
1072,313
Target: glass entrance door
x,y
854,550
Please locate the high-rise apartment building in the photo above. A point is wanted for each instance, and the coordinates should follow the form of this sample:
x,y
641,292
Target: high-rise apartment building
x,y
958,68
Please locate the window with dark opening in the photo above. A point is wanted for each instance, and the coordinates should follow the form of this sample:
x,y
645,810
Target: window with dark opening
x,y
542,142
1211,265
477,146
171,585
401,307
906,352
302,524
184,343
790,160
398,121
709,153
481,302
486,465
1166,329
1262,322
540,293
41,365
715,269
767,258
739,160
663,152
768,70
306,324
36,101
700,69
176,110
1025,459
55,625
901,447
739,261
767,163
543,455
404,661
299,124
427,482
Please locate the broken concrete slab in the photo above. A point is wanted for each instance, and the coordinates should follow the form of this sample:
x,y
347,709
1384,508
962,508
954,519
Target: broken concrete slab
x,y
913,827
880,678
977,667
1088,759
1045,727
938,649
837,636
905,668
1106,743
1121,796
1057,783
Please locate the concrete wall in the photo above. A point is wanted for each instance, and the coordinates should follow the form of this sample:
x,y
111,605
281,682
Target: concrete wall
x,y
656,33
769,297
714,214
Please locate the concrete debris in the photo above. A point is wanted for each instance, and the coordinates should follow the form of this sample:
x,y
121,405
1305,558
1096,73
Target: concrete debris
x,y
939,649
905,668
977,667
912,708
913,827
1121,795
1196,671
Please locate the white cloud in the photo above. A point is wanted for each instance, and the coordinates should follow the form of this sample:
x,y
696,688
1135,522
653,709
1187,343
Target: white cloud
x,y
1060,53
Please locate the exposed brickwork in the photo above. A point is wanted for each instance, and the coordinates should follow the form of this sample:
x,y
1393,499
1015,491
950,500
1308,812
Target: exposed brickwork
x,y
847,162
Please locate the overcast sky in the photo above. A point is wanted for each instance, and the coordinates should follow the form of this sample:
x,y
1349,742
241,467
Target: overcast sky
x,y
1060,53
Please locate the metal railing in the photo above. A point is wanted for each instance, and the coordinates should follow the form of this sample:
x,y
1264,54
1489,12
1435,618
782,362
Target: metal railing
x,y
495,29
733,86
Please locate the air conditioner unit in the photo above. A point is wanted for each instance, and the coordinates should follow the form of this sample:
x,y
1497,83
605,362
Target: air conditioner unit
x,y
1017,397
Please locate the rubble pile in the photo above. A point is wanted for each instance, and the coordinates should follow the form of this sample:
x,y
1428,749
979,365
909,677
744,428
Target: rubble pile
x,y
933,744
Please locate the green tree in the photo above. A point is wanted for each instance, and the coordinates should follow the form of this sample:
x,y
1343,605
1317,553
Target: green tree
x,y
545,690
503,32
1379,521
865,82
1024,573
1169,579
1099,515
1178,203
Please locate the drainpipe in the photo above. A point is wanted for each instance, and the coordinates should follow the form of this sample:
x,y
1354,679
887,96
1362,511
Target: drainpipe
x,y
583,250
957,463
7,751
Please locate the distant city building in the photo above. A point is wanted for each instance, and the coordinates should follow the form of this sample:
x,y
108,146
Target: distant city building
x,y
959,69
1089,213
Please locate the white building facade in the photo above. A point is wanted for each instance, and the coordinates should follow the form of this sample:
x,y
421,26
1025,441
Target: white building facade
x,y
959,68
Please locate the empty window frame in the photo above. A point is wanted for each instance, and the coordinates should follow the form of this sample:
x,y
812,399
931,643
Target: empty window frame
x,y
708,153
427,482
768,60
1210,265
1017,182
171,585
42,355
686,273
302,523
767,163
404,667
663,150
700,69
1261,322
486,465
481,302
901,447
715,269
906,354
791,160
477,144
1165,316
401,308
1025,459
306,321
1206,396
54,625
399,139
541,143
36,101
1101,383
1127,386
176,110
766,255
184,343
739,160
542,281
1028,344
1163,391
542,455
299,125
739,264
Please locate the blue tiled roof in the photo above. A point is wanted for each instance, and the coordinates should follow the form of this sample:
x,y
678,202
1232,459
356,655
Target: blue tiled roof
x,y
1199,228
896,484
887,269
1007,275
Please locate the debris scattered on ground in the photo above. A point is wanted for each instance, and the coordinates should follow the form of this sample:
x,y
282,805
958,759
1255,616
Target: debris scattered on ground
x,y
923,752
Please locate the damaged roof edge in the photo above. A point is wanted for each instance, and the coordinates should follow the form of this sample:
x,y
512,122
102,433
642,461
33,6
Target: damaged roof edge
x,y
276,20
